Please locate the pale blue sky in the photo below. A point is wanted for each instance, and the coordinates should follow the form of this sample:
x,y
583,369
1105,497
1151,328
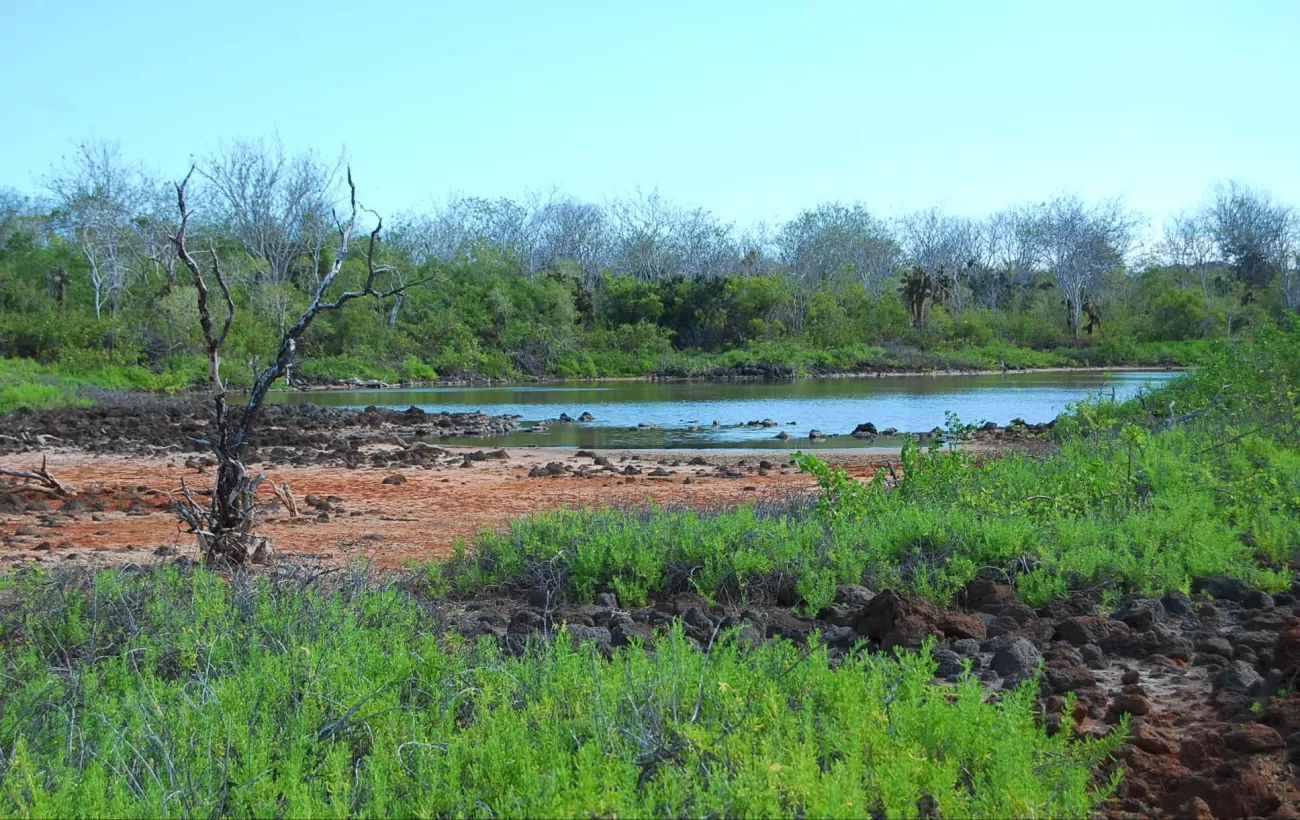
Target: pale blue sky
x,y
751,109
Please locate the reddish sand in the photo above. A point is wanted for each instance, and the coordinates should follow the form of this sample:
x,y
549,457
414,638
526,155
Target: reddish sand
x,y
389,525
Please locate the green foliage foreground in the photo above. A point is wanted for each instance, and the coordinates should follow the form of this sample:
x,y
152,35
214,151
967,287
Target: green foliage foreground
x,y
167,694
1123,504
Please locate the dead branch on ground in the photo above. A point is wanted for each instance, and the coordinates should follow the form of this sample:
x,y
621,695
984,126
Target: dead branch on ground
x,y
47,482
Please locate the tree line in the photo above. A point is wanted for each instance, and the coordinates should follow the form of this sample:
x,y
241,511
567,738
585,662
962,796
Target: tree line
x,y
552,284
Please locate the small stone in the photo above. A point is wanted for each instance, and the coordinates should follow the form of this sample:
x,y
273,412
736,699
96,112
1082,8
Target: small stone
x,y
1017,659
1128,703
1221,586
1239,676
607,600
1254,738
950,663
1148,739
1193,809
966,646
980,593
1130,676
853,595
395,480
960,625
1176,603
1215,645
1069,678
1088,629
1258,599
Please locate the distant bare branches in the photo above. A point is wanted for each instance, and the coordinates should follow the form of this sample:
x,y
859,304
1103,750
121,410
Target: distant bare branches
x,y
275,204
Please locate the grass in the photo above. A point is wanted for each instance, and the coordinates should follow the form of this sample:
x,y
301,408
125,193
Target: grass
x,y
167,693
28,384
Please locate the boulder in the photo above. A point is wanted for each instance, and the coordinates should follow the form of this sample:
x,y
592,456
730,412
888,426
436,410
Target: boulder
x,y
1221,586
893,619
853,595
1017,659
1239,676
980,593
961,625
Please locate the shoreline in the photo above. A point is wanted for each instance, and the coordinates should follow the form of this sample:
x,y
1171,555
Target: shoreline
x,y
652,378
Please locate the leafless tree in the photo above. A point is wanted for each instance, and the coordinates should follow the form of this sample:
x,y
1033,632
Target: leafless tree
x,y
641,240
274,204
1257,236
226,524
1010,255
759,254
1080,243
463,226
97,199
15,209
1188,243
566,228
836,242
1288,259
155,227
945,246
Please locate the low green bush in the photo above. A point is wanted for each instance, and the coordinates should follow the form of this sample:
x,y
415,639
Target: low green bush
x,y
168,694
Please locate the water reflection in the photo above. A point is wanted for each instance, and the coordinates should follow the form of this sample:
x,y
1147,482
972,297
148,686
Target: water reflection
x,y
637,414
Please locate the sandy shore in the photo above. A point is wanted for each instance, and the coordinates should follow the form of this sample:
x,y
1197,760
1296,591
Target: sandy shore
x,y
119,512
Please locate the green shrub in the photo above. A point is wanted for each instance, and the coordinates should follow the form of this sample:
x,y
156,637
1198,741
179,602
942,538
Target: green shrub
x,y
414,370
163,694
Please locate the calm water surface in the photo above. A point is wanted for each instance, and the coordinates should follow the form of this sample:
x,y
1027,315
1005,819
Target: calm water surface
x,y
834,406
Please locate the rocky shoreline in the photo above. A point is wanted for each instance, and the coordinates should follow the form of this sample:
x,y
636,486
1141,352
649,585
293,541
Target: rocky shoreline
x,y
147,425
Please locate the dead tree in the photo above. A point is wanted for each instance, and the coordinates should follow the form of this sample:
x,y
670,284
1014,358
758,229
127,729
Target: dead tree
x,y
226,524
46,482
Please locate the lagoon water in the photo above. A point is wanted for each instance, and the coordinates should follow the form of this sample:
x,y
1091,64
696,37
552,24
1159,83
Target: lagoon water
x,y
684,412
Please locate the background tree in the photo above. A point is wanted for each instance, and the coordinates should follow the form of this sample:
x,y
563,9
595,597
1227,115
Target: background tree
x,y
1188,244
945,246
97,198
1080,243
273,203
834,242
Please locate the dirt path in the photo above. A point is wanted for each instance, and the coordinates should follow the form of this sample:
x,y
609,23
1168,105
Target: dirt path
x,y
119,510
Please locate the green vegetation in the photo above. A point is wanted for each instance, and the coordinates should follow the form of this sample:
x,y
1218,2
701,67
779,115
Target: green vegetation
x,y
165,694
1123,504
25,383
568,289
